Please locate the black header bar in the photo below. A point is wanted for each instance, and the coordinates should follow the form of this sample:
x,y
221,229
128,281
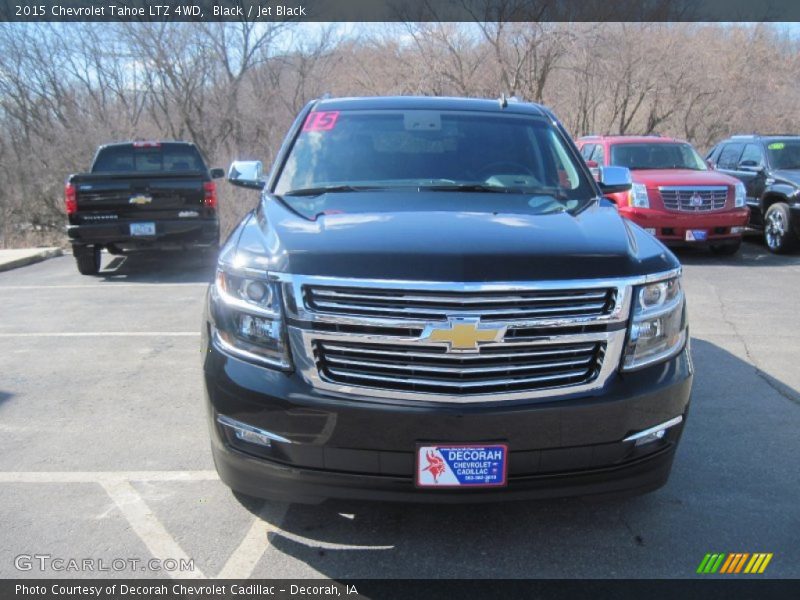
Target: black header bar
x,y
713,588
400,10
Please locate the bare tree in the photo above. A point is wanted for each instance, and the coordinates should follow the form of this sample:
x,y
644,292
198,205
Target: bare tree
x,y
234,88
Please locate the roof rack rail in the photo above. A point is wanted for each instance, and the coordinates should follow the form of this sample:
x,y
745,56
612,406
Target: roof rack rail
x,y
614,135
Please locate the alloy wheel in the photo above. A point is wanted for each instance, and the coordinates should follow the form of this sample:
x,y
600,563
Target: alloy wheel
x,y
775,229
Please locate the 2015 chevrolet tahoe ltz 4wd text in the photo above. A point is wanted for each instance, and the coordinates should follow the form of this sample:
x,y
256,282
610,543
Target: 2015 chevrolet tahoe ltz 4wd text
x,y
433,302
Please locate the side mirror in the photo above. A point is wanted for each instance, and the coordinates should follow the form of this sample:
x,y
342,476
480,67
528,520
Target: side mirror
x,y
217,173
749,165
614,180
247,174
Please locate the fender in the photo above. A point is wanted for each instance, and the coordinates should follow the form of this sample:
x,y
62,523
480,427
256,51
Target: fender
x,y
778,191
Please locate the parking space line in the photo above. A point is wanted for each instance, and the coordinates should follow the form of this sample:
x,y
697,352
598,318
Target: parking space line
x,y
103,476
45,334
107,286
147,526
244,559
159,542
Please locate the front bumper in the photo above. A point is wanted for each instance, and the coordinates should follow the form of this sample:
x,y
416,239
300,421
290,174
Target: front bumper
x,y
671,227
169,233
357,448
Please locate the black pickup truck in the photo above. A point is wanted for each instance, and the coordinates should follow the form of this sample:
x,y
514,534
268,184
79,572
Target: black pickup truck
x,y
142,195
433,302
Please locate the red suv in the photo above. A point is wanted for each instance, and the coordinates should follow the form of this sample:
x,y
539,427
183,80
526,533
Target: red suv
x,y
675,195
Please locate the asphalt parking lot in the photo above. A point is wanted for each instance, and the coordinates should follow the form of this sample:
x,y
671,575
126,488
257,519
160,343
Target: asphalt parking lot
x,y
104,451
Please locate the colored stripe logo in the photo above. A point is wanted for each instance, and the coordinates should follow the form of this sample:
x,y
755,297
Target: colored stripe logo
x,y
734,562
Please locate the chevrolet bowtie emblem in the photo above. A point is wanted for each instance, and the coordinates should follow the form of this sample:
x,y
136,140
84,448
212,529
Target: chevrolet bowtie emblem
x,y
463,334
140,199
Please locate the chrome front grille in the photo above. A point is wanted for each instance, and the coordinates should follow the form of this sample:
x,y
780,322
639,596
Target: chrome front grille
x,y
694,198
433,305
495,369
457,342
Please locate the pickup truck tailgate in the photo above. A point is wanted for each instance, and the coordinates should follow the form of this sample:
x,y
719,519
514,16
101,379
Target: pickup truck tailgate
x,y
128,197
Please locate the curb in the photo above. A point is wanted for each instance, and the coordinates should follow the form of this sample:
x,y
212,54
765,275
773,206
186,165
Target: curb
x,y
40,255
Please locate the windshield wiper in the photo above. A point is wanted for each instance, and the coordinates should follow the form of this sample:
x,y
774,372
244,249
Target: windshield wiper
x,y
471,187
330,189
556,193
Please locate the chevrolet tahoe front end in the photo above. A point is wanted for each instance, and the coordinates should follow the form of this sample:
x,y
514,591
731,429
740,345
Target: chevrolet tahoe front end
x,y
441,340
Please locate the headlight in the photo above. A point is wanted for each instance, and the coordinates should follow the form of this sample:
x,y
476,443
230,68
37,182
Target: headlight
x,y
658,324
638,196
248,317
740,194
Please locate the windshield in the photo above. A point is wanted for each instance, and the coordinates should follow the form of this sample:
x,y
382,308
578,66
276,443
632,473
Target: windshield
x,y
426,150
784,154
657,155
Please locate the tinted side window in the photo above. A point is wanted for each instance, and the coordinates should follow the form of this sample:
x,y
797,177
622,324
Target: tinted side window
x,y
586,151
752,152
729,157
598,155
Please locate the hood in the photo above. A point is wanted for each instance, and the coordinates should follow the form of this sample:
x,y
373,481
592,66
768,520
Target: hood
x,y
658,177
447,245
789,175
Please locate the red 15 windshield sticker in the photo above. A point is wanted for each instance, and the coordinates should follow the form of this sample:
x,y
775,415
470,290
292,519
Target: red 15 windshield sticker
x,y
321,121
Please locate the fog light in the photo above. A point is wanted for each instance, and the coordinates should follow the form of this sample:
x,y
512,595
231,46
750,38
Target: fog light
x,y
654,433
737,229
248,433
651,437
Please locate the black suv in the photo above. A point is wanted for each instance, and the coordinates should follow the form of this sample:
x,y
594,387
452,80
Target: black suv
x,y
769,166
431,302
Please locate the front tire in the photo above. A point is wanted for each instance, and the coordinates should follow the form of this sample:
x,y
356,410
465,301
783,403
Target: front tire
x,y
88,260
778,234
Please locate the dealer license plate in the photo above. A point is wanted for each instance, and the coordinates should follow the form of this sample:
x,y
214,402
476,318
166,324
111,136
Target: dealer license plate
x,y
459,465
696,235
143,228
